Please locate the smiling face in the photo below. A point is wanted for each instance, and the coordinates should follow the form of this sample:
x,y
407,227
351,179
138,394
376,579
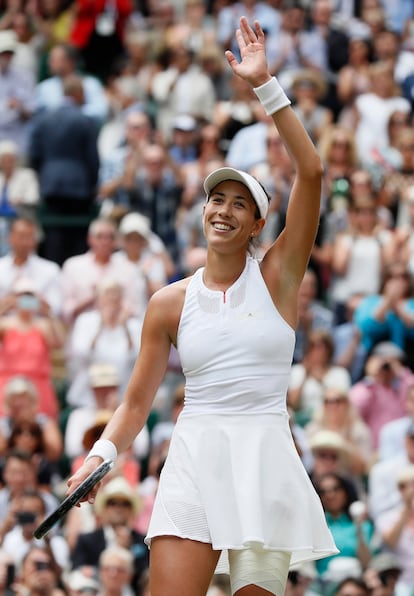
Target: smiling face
x,y
230,216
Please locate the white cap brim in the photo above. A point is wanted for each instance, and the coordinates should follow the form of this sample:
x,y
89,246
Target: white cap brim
x,y
259,195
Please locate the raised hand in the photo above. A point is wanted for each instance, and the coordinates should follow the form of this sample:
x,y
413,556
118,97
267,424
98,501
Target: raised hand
x,y
253,66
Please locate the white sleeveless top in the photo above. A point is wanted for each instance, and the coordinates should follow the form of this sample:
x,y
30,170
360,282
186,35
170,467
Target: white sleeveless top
x,y
235,348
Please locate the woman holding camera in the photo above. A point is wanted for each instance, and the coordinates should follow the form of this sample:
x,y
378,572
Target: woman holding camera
x,y
27,338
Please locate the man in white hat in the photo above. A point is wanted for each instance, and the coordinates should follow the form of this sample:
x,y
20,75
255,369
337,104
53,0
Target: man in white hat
x,y
16,94
117,506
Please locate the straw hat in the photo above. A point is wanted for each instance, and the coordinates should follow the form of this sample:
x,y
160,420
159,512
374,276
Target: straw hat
x,y
117,488
310,78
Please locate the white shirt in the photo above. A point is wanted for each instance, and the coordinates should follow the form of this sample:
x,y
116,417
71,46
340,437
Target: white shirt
x,y
45,275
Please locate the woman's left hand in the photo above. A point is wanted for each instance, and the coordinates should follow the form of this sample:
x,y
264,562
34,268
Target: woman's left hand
x,y
253,66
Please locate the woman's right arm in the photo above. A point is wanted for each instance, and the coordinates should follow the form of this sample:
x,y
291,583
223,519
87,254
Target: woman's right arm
x,y
158,333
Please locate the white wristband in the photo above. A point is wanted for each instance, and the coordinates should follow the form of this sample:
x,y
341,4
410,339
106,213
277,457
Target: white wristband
x,y
103,448
271,96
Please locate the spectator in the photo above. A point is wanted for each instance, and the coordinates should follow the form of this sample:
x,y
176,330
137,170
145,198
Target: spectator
x,y
28,437
358,256
98,33
300,579
307,89
28,338
396,184
80,582
104,382
374,108
126,155
396,526
116,567
353,535
38,575
381,396
388,315
30,512
312,314
155,191
117,506
338,414
22,261
391,437
352,586
313,373
145,250
353,79
105,335
182,147
19,189
62,62
83,274
181,88
63,150
19,474
16,95
330,454
383,493
21,405
382,574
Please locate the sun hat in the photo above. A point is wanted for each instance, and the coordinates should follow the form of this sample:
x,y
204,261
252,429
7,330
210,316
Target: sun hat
x,y
117,488
103,375
8,41
258,193
330,440
24,285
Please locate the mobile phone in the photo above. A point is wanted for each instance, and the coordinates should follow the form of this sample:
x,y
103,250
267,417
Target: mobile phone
x,y
25,517
28,302
42,565
10,573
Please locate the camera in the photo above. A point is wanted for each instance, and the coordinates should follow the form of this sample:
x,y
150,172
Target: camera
x,y
386,366
10,573
25,517
28,302
42,565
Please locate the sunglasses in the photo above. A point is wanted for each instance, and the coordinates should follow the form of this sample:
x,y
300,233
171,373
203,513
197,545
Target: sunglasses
x,y
334,401
119,503
330,489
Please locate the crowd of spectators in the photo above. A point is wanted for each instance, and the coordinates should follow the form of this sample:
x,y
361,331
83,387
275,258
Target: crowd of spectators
x,y
112,112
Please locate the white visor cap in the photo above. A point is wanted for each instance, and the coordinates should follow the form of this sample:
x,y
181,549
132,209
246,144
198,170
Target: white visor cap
x,y
222,174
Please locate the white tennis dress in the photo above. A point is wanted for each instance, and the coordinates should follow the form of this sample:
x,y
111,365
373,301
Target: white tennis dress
x,y
233,476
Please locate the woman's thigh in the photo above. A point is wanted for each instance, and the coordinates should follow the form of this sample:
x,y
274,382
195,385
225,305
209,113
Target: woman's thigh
x,y
181,567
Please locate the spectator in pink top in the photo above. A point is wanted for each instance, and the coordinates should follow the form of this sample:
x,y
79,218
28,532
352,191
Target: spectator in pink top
x,y
381,396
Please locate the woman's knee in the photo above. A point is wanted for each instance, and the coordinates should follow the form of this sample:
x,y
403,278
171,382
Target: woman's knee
x,y
258,571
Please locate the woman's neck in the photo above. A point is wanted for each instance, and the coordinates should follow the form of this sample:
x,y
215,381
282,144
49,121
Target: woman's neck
x,y
221,272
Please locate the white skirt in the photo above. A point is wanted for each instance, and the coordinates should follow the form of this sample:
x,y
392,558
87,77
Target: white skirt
x,y
234,480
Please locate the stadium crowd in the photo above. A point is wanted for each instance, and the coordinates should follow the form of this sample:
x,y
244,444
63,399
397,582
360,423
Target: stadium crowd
x,y
112,112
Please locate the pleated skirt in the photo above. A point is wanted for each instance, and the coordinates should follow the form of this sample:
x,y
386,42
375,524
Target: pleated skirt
x,y
235,480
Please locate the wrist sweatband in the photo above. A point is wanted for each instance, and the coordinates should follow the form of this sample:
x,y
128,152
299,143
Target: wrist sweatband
x,y
271,96
103,448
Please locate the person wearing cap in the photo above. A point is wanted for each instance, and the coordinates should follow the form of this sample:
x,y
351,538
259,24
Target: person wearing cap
x,y
183,145
380,396
232,473
145,250
382,573
17,98
116,508
308,89
81,581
